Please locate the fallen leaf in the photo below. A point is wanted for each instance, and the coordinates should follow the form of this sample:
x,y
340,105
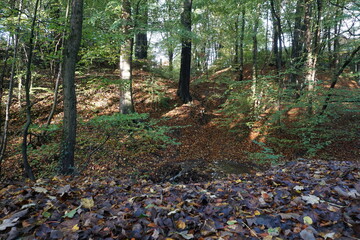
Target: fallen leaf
x,y
87,202
274,231
298,188
13,220
186,235
75,228
231,222
330,235
307,235
308,220
71,214
180,224
40,189
63,190
311,199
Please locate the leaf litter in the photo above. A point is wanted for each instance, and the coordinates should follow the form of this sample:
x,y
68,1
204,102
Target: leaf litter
x,y
306,199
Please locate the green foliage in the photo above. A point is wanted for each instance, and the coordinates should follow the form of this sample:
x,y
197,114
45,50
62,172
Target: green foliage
x,y
283,121
267,154
99,82
44,160
134,131
306,133
38,129
155,93
239,109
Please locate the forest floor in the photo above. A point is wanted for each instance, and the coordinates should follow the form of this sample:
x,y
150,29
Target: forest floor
x,y
125,195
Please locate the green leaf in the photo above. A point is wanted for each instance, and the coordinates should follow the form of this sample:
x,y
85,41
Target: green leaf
x,y
274,231
308,220
72,213
231,222
46,214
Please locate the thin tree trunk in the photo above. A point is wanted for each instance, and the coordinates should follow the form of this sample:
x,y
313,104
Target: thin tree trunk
x,y
255,44
335,78
277,44
242,36
24,146
58,78
312,39
255,59
126,101
296,81
267,31
141,42
237,42
185,68
171,59
70,56
3,73
336,44
11,88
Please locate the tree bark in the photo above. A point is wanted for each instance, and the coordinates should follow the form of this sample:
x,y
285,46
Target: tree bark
x,y
255,59
4,71
11,87
312,38
242,36
170,53
27,167
237,42
185,68
277,43
58,77
334,63
126,101
255,44
335,77
296,81
70,55
141,42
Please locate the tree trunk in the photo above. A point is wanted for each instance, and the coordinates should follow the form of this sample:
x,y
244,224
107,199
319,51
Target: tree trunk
x,y
296,81
336,77
267,32
70,56
170,53
255,59
255,44
312,39
126,101
4,70
141,42
185,68
334,63
237,42
27,167
242,36
58,77
277,42
11,87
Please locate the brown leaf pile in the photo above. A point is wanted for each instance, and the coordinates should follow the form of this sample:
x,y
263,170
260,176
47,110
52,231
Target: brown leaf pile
x,y
300,200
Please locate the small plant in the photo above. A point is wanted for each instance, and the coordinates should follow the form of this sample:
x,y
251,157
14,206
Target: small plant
x,y
267,154
134,131
155,93
44,160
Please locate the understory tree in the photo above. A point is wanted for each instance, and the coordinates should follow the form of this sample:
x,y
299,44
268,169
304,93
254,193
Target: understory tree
x,y
185,66
70,58
126,51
